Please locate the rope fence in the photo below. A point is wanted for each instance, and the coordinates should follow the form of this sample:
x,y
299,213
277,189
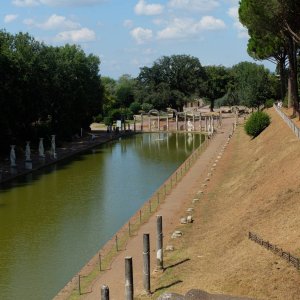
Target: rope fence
x,y
105,257
288,121
295,261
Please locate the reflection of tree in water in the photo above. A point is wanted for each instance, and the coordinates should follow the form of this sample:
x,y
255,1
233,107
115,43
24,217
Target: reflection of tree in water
x,y
172,147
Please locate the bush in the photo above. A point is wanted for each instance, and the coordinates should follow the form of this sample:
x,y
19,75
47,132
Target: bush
x,y
257,122
269,103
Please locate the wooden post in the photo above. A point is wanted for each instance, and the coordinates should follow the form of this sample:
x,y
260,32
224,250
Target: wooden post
x,y
128,278
165,189
79,284
129,233
117,248
140,216
150,206
100,263
159,246
146,259
104,292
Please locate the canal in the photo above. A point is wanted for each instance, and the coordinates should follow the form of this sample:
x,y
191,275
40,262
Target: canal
x,y
53,221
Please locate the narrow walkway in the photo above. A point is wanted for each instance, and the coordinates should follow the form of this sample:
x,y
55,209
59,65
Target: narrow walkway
x,y
171,210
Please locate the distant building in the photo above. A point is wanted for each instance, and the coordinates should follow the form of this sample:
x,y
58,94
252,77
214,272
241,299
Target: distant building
x,y
194,105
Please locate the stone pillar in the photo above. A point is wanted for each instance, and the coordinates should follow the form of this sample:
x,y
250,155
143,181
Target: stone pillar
x,y
28,162
167,123
27,151
53,150
159,244
142,119
158,120
12,156
41,148
128,278
193,122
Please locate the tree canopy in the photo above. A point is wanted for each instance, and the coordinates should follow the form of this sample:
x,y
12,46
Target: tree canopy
x,y
171,81
45,90
280,19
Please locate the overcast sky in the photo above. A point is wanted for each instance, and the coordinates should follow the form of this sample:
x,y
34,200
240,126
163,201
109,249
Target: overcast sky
x,y
129,34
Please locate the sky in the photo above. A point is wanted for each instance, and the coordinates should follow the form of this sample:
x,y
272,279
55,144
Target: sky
x,y
129,34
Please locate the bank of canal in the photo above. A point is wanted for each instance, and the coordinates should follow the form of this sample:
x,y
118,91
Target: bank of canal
x,y
53,221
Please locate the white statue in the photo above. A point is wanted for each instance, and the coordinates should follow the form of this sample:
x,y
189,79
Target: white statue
x,y
27,151
53,153
41,148
190,126
12,156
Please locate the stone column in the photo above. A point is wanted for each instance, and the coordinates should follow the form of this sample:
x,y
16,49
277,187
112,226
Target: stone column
x,y
53,153
12,156
41,148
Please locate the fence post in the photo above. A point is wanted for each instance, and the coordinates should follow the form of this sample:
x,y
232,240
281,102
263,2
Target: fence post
x,y
117,248
129,231
159,253
104,292
146,259
100,264
128,278
79,285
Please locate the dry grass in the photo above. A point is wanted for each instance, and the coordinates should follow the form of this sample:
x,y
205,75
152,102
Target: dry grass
x,y
256,187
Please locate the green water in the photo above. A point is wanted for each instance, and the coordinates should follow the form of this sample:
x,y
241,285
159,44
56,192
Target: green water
x,y
54,221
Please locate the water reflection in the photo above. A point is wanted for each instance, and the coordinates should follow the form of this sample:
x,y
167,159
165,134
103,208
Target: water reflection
x,y
53,221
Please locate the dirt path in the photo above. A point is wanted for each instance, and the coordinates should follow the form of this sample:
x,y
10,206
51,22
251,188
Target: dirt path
x,y
172,209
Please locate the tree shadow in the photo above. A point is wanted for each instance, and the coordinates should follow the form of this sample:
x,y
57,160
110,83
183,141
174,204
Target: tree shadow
x,y
177,264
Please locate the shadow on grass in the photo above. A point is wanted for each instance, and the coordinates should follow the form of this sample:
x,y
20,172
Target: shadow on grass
x,y
177,264
168,286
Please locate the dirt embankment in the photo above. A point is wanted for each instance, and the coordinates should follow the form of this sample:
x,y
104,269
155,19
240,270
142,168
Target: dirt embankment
x,y
256,187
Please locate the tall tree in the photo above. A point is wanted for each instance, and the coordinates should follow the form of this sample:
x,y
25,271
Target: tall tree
x,y
251,84
178,78
216,85
280,18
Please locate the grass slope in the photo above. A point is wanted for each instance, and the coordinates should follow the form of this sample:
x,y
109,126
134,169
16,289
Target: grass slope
x,y
256,187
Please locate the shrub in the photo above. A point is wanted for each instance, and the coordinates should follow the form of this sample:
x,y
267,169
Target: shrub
x,y
269,103
257,122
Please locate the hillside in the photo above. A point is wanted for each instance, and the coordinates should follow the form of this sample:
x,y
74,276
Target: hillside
x,y
256,187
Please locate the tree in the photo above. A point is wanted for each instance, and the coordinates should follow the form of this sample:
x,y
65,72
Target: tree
x,y
251,84
171,81
273,49
216,85
281,19
44,89
125,91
